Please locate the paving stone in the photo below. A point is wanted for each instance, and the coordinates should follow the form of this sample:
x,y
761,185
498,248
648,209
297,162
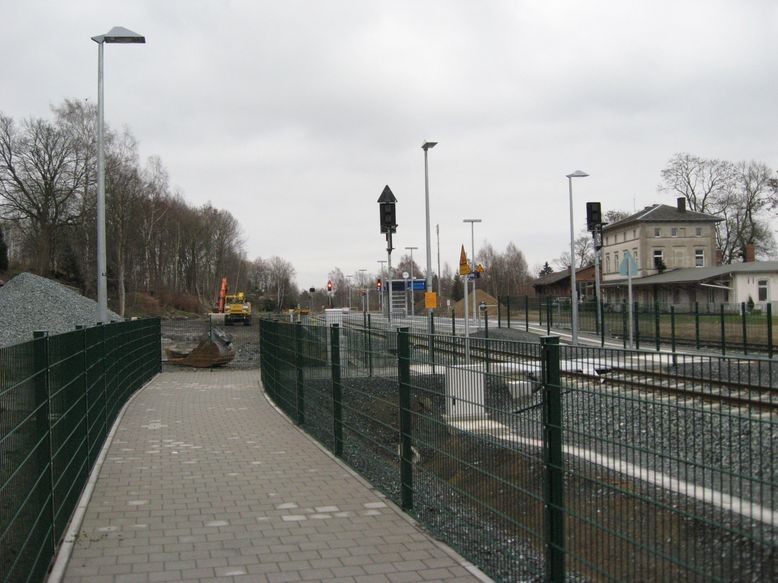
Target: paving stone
x,y
206,481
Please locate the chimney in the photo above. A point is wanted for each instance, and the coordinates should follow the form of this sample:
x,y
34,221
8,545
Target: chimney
x,y
719,259
681,204
750,255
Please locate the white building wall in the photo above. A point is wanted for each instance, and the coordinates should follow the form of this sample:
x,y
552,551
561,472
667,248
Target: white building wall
x,y
746,285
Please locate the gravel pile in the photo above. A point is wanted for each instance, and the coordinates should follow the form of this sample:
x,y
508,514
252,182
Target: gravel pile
x,y
29,302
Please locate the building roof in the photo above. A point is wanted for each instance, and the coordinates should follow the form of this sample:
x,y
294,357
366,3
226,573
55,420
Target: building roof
x,y
558,276
663,213
700,274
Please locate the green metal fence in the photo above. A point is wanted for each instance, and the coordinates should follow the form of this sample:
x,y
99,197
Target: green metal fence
x,y
59,396
548,462
724,328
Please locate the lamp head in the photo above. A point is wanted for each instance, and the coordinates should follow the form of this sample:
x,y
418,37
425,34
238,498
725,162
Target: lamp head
x,y
427,145
577,174
119,34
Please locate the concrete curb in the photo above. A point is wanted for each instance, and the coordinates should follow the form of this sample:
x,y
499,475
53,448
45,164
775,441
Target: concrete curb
x,y
77,518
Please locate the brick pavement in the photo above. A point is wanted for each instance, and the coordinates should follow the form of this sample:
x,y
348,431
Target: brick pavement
x,y
206,481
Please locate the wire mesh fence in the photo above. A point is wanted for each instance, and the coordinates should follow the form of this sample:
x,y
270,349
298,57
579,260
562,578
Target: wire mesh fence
x,y
724,328
541,461
59,396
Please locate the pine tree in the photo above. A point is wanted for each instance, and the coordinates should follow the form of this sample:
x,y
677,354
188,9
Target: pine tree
x,y
547,269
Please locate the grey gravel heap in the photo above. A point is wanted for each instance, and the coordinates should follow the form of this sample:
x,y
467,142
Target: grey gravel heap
x,y
29,302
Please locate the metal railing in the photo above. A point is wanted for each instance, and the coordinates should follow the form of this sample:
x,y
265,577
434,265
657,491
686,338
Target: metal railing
x,y
59,397
545,461
723,328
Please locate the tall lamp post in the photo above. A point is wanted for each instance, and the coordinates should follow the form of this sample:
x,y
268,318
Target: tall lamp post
x,y
413,295
472,259
573,290
117,35
426,146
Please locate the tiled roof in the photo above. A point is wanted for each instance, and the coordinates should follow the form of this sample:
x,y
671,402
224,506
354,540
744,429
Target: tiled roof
x,y
663,213
552,278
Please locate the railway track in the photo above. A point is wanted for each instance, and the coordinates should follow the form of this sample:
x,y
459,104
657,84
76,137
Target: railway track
x,y
602,369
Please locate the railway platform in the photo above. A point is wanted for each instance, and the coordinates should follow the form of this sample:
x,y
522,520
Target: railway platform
x,y
204,480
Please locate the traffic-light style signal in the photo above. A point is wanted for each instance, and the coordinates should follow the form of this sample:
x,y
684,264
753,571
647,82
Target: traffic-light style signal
x,y
378,284
329,286
593,216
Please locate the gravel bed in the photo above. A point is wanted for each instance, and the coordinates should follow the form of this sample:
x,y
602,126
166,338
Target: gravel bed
x,y
634,430
29,302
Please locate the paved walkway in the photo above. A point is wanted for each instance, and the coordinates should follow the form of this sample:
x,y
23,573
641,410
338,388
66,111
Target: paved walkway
x,y
206,481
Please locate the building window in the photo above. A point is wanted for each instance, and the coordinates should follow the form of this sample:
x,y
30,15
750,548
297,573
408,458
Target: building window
x,y
658,258
635,256
762,286
657,232
674,232
616,260
698,231
607,263
699,258
634,233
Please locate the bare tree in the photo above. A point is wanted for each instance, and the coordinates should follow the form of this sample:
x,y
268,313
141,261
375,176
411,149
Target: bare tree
x,y
40,180
742,194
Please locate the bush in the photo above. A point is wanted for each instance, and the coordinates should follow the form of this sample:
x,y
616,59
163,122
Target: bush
x,y
142,304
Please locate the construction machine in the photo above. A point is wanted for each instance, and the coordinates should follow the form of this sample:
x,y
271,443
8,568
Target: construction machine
x,y
237,309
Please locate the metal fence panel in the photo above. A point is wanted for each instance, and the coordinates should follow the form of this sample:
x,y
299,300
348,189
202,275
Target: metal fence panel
x,y
621,465
58,396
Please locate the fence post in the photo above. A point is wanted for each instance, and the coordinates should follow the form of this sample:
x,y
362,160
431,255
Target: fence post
x,y
43,416
624,318
298,353
656,325
432,342
337,390
85,368
697,325
499,312
723,338
672,333
769,330
453,323
743,324
602,323
636,312
406,452
553,475
369,346
526,313
486,338
548,316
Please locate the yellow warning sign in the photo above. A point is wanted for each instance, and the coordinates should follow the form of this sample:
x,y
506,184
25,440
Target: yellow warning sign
x,y
430,300
464,268
479,268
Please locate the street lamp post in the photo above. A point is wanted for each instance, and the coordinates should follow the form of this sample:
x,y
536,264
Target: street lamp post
x,y
348,281
472,260
118,35
413,297
573,290
426,146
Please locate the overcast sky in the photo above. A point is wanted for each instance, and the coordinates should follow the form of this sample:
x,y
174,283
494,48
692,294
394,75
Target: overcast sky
x,y
294,115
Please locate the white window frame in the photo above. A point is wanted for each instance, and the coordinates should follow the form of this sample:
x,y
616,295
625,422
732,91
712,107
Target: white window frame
x,y
657,231
763,284
699,254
